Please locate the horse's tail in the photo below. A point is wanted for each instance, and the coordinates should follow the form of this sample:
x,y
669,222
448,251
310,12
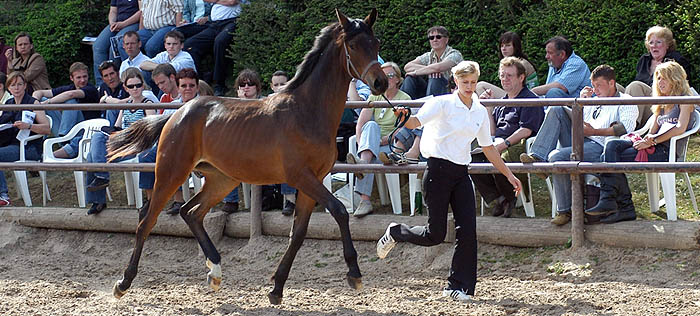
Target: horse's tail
x,y
141,135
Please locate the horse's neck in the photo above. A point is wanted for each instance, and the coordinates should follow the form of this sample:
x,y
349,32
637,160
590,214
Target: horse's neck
x,y
322,96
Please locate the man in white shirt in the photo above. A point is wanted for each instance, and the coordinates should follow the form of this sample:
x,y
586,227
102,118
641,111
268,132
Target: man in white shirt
x,y
132,47
217,38
173,54
599,124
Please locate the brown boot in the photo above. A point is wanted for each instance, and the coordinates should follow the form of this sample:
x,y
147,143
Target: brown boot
x,y
561,219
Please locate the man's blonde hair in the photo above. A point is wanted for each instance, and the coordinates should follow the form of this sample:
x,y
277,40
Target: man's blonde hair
x,y
464,68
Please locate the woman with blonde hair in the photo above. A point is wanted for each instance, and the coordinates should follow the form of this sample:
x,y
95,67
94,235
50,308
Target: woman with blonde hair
x,y
661,47
670,120
451,123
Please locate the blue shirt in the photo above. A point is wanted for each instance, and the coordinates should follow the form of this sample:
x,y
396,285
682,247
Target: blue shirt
x,y
573,74
125,8
510,118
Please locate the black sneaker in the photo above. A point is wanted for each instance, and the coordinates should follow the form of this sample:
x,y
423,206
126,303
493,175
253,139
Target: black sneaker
x,y
96,208
288,208
230,207
97,184
175,208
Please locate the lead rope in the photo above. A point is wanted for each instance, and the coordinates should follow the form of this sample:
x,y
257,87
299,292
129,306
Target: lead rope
x,y
400,122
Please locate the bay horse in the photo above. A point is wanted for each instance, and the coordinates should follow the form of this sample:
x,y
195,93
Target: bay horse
x,y
287,137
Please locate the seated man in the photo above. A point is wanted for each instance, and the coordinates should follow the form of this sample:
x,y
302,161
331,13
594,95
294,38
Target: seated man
x,y
157,19
599,124
568,73
217,38
195,15
514,125
80,91
373,129
428,73
132,49
173,55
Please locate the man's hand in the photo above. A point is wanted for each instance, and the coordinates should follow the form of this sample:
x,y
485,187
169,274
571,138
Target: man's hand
x,y
487,94
21,125
586,92
183,21
501,147
203,20
8,53
588,129
116,26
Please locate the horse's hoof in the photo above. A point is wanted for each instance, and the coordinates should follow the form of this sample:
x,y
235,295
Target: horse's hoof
x,y
116,291
355,283
274,298
214,283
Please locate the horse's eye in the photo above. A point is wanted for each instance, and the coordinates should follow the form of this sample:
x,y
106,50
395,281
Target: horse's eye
x,y
352,46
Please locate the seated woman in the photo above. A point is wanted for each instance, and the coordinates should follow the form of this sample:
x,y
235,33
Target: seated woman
x,y
23,58
98,181
670,120
9,145
372,134
509,45
661,48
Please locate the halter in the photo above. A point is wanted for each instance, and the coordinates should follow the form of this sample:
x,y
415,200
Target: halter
x,y
349,65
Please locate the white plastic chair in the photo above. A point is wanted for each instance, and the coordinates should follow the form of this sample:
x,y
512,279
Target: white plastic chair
x,y
391,185
550,188
21,175
89,127
668,180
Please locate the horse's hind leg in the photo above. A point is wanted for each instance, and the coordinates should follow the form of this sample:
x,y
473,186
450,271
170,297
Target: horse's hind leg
x,y
214,190
168,180
302,213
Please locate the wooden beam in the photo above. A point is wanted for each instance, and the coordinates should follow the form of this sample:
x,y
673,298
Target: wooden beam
x,y
110,220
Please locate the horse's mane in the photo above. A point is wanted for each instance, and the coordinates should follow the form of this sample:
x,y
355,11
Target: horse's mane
x,y
325,37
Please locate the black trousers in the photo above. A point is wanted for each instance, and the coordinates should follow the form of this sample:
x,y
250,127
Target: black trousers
x,y
217,37
446,183
492,185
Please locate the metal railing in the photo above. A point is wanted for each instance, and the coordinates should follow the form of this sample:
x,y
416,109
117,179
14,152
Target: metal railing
x,y
575,167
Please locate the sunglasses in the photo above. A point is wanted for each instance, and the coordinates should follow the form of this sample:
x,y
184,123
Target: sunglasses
x,y
243,84
391,75
433,37
134,86
105,63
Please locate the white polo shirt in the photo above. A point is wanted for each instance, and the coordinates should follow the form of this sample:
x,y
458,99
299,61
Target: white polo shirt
x,y
450,127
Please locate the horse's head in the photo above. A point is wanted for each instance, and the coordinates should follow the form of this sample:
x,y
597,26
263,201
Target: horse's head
x,y
361,48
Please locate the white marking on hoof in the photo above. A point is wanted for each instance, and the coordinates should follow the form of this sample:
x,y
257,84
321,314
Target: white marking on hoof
x,y
214,275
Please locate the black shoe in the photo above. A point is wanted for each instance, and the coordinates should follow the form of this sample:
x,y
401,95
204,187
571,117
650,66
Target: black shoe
x,y
619,217
230,207
175,208
97,184
497,209
507,206
288,208
219,90
96,208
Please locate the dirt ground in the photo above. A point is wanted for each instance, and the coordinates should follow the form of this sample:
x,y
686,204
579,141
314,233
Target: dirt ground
x,y
53,272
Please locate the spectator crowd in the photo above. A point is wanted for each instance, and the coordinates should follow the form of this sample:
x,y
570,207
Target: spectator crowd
x,y
162,45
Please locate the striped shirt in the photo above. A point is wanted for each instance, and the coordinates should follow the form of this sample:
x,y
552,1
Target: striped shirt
x,y
129,117
573,74
605,116
450,54
159,13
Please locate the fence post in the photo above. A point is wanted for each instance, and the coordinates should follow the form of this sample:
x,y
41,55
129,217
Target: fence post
x,y
577,237
255,211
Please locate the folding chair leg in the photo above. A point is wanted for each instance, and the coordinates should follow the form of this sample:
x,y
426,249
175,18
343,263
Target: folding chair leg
x,y
668,183
690,191
393,184
80,187
653,188
45,187
23,187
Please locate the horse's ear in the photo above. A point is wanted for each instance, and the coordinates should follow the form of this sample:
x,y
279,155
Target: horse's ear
x,y
371,17
342,19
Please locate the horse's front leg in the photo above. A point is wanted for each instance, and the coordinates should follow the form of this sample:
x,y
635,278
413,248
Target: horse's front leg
x,y
302,213
214,190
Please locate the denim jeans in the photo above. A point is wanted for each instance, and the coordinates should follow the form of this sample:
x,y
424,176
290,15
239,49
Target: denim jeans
x,y
286,189
98,154
232,197
10,153
620,150
152,40
369,140
418,87
557,128
101,49
146,179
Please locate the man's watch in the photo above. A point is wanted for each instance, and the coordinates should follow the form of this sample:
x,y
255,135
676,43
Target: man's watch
x,y
506,142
